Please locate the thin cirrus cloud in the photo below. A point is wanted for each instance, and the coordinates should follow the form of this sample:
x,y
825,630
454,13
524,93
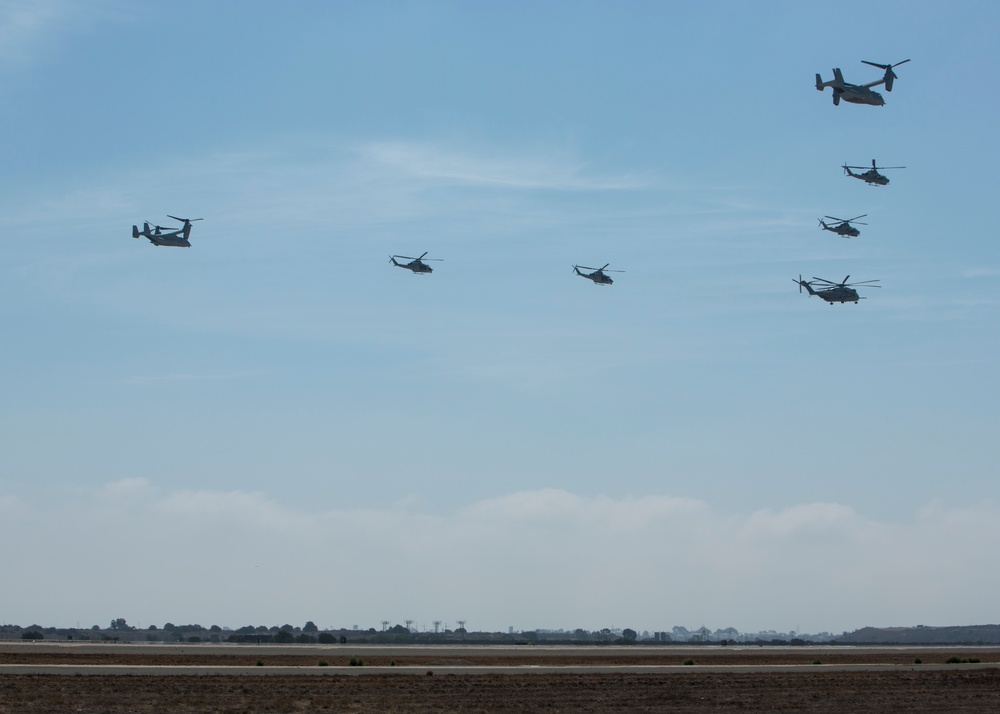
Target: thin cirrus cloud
x,y
433,162
191,377
331,183
30,29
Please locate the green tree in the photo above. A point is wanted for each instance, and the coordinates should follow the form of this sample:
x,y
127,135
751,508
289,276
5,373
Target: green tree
x,y
310,627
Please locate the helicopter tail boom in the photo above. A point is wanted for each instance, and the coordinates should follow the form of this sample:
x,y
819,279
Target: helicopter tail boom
x,y
804,284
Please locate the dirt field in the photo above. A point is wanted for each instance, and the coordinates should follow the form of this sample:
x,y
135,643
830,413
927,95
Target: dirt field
x,y
902,688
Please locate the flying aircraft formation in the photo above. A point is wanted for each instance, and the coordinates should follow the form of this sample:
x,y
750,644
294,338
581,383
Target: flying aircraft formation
x,y
844,291
827,290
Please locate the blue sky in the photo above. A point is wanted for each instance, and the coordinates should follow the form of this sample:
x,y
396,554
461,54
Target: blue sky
x,y
526,448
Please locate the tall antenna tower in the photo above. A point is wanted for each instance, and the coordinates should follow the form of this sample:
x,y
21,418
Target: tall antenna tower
x,y
408,623
385,625
461,623
437,626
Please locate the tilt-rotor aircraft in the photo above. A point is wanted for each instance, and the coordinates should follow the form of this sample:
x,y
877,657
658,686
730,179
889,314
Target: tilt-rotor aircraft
x,y
178,238
417,265
835,292
598,276
859,93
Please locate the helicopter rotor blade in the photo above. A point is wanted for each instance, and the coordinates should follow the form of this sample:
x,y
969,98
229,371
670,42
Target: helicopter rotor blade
x,y
887,67
851,220
185,220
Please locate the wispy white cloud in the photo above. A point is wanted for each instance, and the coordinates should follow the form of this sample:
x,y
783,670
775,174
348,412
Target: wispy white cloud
x,y
30,29
537,171
981,272
24,23
545,557
188,377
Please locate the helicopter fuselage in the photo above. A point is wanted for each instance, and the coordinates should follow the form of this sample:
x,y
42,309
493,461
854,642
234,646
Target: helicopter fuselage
x,y
853,94
844,229
839,293
872,178
833,295
417,266
598,277
174,239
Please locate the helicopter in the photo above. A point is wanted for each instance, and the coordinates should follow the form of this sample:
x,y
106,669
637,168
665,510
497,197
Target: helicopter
x,y
842,227
872,177
598,275
836,292
417,265
177,238
859,93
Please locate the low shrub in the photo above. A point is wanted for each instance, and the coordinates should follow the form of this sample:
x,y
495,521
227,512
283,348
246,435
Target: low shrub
x,y
688,661
356,662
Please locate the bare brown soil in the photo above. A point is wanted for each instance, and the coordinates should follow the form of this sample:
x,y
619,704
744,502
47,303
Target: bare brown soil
x,y
929,691
912,688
